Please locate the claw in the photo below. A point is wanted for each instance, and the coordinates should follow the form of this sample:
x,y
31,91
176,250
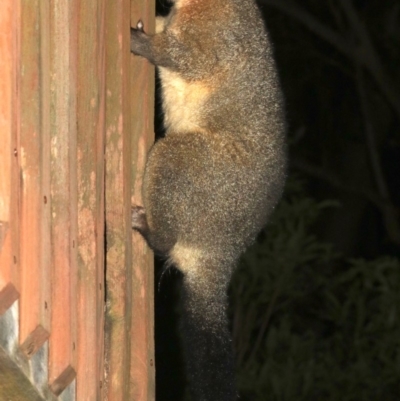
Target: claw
x,y
139,26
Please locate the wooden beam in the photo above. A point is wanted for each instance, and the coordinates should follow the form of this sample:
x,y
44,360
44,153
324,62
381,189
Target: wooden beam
x,y
117,201
142,373
14,385
90,184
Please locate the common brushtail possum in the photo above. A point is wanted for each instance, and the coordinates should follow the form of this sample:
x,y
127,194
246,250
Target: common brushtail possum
x,y
211,183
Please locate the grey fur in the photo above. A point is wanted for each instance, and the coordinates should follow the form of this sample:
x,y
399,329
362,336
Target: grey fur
x,y
212,182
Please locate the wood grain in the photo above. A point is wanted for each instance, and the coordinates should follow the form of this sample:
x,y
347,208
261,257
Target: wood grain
x,y
142,373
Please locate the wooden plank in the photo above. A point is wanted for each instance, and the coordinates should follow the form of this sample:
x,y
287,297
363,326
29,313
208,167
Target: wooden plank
x,y
118,228
100,199
90,148
9,178
62,353
6,96
8,295
142,374
35,275
14,385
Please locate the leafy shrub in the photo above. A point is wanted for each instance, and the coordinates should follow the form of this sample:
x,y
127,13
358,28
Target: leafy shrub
x,y
309,324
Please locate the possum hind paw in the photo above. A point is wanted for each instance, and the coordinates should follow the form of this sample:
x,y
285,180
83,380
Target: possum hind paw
x,y
139,221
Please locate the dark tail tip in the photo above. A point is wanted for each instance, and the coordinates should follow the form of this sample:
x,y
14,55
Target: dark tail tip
x,y
207,343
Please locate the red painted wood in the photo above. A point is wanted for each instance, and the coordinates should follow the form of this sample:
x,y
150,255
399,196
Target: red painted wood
x,y
9,188
118,235
35,272
62,349
6,127
76,113
90,151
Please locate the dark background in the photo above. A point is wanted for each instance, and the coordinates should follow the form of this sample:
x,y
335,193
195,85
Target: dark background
x,y
315,303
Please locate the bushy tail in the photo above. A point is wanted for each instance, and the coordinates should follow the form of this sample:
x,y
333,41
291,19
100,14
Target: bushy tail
x,y
207,342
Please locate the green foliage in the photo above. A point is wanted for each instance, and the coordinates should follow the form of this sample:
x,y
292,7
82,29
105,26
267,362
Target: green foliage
x,y
309,324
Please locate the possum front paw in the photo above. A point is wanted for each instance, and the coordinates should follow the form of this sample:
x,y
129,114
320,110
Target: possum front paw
x,y
140,41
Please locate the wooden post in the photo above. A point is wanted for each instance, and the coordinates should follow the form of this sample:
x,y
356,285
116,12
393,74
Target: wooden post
x,y
129,133
90,187
76,121
9,193
142,120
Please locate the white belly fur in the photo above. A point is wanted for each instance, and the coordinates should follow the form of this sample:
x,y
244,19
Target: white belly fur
x,y
182,101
